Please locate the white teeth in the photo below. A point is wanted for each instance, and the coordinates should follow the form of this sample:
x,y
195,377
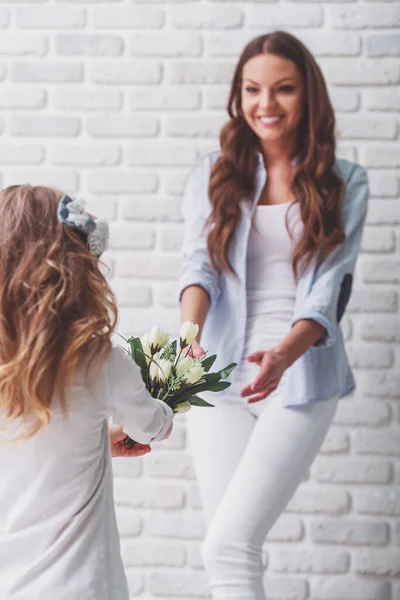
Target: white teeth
x,y
269,120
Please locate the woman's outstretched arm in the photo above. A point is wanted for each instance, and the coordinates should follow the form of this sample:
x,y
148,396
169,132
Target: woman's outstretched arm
x,y
195,304
274,362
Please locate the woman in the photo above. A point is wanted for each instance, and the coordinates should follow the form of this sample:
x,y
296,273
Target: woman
x,y
273,229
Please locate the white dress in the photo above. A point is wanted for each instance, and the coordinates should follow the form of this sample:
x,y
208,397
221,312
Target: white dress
x,y
270,283
58,533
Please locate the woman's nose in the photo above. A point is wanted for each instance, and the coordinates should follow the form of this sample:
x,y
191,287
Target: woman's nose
x,y
265,98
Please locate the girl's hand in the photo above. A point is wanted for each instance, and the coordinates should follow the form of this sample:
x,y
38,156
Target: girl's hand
x,y
195,350
119,448
272,366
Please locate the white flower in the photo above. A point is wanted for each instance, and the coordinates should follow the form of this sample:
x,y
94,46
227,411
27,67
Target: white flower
x,y
164,369
154,371
157,339
160,368
188,333
194,374
190,369
182,407
185,363
146,347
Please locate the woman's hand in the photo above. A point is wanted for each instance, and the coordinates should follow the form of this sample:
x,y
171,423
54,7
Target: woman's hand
x,y
272,366
118,446
195,350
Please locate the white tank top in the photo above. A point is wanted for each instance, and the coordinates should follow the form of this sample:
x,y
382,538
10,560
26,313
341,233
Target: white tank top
x,y
271,286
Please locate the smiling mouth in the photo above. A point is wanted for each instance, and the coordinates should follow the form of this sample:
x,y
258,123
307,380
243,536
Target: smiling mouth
x,y
270,120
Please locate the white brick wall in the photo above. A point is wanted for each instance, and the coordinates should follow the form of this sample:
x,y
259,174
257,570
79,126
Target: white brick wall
x,y
116,99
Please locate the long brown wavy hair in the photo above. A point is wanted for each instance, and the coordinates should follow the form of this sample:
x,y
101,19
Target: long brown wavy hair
x,y
315,184
56,308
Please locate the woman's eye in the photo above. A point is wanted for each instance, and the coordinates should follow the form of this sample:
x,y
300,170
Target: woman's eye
x,y
251,90
286,89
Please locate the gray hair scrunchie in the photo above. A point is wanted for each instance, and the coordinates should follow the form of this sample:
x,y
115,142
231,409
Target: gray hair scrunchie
x,y
71,212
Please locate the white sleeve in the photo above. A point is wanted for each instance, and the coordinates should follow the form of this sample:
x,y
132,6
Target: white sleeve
x,y
144,418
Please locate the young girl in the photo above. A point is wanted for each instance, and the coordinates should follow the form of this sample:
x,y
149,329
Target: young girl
x,y
273,229
60,380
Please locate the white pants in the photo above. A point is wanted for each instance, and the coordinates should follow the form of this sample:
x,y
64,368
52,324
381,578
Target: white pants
x,y
249,460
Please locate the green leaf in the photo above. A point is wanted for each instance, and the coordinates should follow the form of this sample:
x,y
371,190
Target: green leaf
x,y
193,390
219,386
184,395
211,377
196,401
186,387
207,363
181,397
224,373
139,356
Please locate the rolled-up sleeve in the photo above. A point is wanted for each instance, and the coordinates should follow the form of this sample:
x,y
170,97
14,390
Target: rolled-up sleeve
x,y
331,288
196,266
145,419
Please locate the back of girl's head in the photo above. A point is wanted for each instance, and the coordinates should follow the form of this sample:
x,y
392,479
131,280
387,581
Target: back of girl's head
x,y
56,308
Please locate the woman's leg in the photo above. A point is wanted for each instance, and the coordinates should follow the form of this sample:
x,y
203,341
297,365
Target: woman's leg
x,y
218,437
282,446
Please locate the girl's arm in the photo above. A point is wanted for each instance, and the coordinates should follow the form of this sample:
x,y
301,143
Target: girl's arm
x,y
144,418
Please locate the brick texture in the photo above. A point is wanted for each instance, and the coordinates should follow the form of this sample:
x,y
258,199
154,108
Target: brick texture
x,y
115,100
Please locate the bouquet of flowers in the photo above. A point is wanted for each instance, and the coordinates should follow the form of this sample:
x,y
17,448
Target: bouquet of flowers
x,y
171,374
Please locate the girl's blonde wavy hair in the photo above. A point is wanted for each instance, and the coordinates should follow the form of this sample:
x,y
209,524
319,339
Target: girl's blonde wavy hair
x,y
56,308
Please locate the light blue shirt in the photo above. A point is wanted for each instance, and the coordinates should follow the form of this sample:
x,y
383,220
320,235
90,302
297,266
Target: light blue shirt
x,y
323,290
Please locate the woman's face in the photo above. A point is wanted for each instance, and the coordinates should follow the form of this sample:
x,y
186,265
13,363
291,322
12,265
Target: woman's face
x,y
272,97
